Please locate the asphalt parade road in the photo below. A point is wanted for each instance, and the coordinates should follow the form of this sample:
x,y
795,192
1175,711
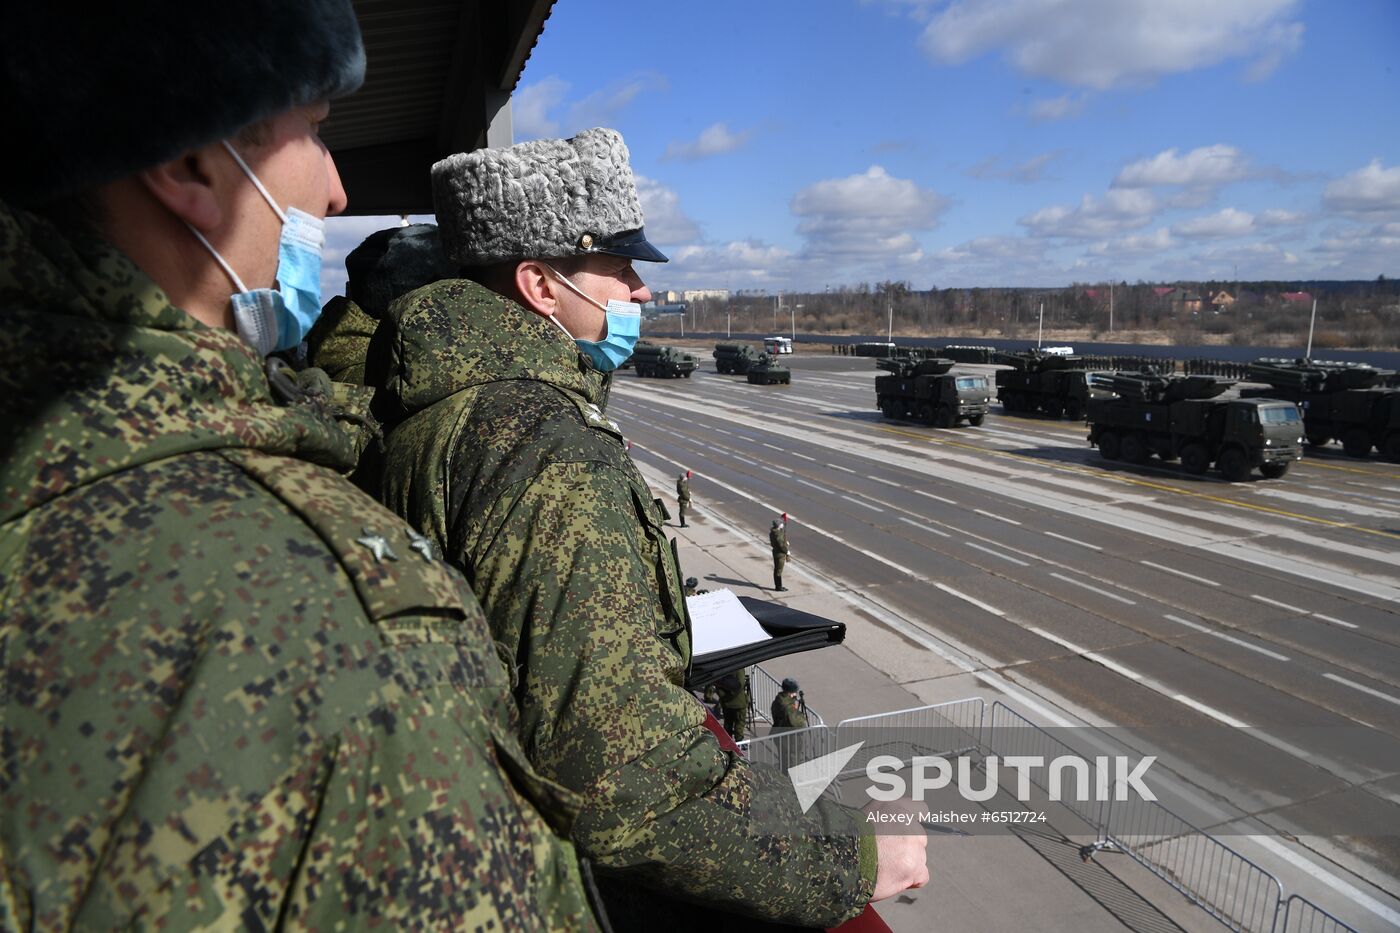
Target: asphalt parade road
x,y
1260,621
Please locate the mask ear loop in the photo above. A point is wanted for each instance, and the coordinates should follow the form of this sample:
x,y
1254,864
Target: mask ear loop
x,y
256,182
237,282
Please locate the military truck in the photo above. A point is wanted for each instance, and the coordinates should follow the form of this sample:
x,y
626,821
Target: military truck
x,y
735,358
1347,402
767,371
924,390
1055,383
652,359
1184,417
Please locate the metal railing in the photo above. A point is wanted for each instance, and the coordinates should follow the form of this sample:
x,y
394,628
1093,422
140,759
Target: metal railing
x,y
1301,915
763,689
941,729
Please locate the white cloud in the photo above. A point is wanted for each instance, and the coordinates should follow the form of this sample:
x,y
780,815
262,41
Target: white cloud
x,y
1120,210
1360,252
1367,192
1276,217
870,213
1205,168
1254,260
1226,223
994,248
1157,241
1031,170
602,106
1057,108
1109,43
661,207
530,107
343,234
734,265
714,140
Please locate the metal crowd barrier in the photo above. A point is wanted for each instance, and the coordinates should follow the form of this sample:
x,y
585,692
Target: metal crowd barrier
x,y
1301,915
942,729
763,689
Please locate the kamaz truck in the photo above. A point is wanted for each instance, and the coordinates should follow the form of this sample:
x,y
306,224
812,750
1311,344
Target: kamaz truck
x,y
651,359
1347,402
1054,383
734,358
767,371
1184,417
924,390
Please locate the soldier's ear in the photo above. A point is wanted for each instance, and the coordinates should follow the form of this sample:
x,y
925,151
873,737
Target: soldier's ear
x,y
536,287
194,187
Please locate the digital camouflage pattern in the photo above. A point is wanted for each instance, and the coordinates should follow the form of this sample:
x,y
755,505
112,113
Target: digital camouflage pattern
x,y
787,713
340,339
500,451
234,692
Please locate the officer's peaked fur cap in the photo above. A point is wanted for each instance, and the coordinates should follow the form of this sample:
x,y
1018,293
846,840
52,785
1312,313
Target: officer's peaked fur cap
x,y
541,200
92,92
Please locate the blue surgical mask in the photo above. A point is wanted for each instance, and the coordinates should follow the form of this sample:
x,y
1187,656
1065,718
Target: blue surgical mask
x,y
624,322
268,319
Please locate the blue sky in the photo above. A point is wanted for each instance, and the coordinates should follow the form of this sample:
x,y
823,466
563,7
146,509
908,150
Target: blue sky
x,y
798,145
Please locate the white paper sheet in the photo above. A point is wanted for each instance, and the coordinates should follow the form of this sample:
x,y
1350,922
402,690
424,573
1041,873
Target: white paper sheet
x,y
719,621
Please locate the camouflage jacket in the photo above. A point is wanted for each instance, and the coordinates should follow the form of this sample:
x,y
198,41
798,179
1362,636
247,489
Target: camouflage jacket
x,y
499,449
777,540
787,713
339,341
683,490
233,693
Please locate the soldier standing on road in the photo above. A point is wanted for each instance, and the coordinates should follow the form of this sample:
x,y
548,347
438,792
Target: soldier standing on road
x,y
777,539
683,494
734,701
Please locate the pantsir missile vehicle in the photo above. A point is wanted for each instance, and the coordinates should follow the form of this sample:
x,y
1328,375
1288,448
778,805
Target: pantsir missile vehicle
x,y
924,390
663,362
1340,401
734,358
1056,384
1182,416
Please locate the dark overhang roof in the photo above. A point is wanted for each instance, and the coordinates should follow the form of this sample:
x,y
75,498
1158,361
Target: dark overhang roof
x,y
439,73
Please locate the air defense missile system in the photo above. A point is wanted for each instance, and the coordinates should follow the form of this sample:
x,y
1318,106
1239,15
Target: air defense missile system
x,y
651,359
767,371
1347,402
734,358
1055,383
924,390
1184,417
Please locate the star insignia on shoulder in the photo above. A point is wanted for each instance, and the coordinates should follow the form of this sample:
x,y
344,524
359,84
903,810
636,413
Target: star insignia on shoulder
x,y
422,545
378,545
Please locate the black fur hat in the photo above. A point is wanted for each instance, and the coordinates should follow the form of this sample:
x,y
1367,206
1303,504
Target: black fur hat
x,y
92,92
394,262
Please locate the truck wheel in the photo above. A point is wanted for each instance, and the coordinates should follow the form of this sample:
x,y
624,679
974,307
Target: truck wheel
x,y
1233,466
945,418
1275,470
1053,408
976,420
925,413
1073,410
1195,459
686,374
1390,449
1357,443
1135,449
1110,445
1318,440
1007,405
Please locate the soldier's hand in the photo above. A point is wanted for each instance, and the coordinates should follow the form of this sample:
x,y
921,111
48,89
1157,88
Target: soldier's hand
x,y
903,864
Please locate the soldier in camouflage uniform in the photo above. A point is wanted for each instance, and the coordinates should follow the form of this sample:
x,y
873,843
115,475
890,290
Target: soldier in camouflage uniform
x,y
235,693
734,701
501,452
683,494
777,540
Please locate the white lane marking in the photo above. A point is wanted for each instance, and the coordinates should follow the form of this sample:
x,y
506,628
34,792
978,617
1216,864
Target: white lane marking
x,y
1000,518
722,431
1318,615
814,486
771,446
842,469
779,470
887,482
987,550
1347,891
1070,580
1092,547
1230,638
922,527
744,460
1363,688
1084,653
930,495
1275,602
803,456
873,508
1179,573
970,599
1210,711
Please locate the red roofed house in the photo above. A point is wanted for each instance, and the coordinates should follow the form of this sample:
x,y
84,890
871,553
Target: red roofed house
x,y
1296,297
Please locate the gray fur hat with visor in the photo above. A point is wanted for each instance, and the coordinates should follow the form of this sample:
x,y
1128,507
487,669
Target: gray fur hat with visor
x,y
95,92
543,199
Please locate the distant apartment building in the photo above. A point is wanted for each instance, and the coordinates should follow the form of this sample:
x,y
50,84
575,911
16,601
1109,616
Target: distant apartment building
x,y
706,294
666,296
